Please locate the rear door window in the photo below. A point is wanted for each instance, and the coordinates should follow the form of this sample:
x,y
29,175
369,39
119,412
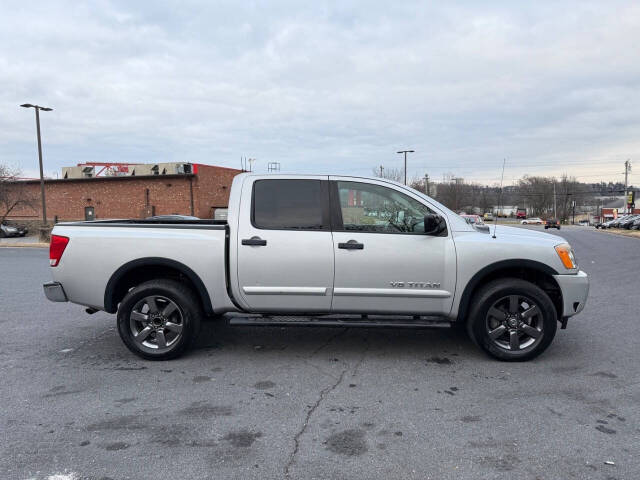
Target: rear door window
x,y
290,204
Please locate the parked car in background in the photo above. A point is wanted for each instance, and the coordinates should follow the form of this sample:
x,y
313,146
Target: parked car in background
x,y
488,217
628,221
12,230
552,223
636,224
301,245
615,223
521,213
532,220
602,224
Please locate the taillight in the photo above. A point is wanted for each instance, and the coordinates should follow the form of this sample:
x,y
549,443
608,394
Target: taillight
x,y
56,249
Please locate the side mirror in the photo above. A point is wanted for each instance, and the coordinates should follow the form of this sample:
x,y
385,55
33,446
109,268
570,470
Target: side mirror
x,y
434,224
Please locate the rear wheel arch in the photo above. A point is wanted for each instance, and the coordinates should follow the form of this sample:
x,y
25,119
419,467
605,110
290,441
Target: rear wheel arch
x,y
159,319
535,272
141,270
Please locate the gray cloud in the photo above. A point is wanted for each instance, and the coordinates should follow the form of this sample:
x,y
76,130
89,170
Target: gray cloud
x,y
329,88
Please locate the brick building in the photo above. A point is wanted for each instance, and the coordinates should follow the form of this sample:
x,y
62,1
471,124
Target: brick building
x,y
200,192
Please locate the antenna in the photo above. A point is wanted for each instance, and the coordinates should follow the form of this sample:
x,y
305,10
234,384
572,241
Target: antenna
x,y
495,225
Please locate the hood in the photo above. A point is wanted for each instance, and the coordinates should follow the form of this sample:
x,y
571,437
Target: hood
x,y
511,232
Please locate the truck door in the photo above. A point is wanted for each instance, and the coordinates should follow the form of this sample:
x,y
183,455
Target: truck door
x,y
384,262
285,247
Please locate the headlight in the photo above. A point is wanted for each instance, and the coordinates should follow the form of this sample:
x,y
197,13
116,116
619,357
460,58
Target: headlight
x,y
567,257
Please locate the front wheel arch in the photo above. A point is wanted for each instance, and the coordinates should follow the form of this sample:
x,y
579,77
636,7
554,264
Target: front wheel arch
x,y
535,272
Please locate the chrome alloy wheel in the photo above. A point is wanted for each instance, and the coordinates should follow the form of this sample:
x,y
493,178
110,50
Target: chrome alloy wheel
x,y
514,323
156,323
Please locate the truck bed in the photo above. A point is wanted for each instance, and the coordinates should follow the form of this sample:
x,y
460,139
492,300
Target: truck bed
x,y
99,251
140,222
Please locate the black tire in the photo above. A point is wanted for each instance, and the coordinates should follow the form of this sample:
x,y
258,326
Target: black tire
x,y
481,322
172,322
546,227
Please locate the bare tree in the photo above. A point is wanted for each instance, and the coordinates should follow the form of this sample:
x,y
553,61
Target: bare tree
x,y
13,193
418,183
395,174
536,195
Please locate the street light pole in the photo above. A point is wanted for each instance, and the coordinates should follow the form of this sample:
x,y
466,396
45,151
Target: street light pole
x,y
44,204
405,163
37,109
627,169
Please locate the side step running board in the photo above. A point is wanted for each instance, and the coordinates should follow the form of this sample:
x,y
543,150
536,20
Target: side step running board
x,y
366,322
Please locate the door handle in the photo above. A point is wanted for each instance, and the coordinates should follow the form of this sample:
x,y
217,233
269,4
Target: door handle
x,y
351,245
254,241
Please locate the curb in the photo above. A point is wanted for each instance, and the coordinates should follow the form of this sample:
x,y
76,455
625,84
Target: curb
x,y
621,233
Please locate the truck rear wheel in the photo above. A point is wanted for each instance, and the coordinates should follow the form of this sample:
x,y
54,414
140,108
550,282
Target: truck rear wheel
x,y
159,319
512,319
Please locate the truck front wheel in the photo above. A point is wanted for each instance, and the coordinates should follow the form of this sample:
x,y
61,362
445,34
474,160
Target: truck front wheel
x,y
159,319
512,319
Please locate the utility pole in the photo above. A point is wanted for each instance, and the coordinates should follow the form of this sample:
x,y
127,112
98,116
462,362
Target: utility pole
x,y
627,169
37,109
405,163
555,211
426,184
273,167
381,171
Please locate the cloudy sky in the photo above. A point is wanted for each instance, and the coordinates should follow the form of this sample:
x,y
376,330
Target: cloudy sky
x,y
330,87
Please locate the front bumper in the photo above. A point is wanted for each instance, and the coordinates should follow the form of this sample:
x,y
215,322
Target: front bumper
x,y
55,292
575,289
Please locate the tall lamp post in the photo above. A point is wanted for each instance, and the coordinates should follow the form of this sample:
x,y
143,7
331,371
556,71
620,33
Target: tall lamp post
x,y
405,163
44,109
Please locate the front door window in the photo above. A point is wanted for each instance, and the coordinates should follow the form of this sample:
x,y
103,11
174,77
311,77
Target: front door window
x,y
377,209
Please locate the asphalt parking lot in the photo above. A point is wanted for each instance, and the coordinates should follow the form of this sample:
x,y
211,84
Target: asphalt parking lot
x,y
306,403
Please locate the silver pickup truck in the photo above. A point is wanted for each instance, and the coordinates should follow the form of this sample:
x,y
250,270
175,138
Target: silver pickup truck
x,y
320,250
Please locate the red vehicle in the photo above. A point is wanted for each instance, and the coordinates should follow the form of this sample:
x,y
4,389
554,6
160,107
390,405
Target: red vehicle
x,y
521,213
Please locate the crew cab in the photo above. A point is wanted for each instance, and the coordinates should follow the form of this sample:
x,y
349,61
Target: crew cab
x,y
320,250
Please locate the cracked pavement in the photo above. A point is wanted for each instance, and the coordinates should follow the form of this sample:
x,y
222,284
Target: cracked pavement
x,y
270,403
